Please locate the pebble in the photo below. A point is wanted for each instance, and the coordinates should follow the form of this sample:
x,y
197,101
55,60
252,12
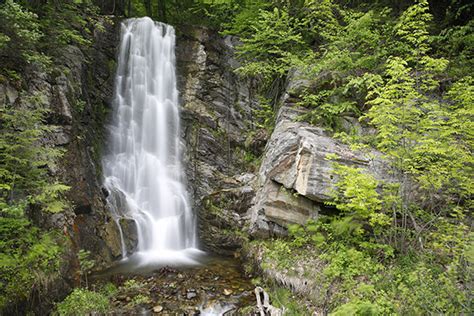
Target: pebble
x,y
157,308
191,295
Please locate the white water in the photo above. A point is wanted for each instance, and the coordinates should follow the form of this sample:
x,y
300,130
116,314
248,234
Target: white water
x,y
142,169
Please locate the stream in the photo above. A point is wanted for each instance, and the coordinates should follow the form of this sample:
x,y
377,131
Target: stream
x,y
218,287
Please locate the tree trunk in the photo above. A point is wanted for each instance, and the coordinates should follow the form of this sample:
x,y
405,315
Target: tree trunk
x,y
148,8
162,10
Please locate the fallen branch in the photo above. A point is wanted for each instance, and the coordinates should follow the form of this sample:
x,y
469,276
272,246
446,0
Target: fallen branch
x,y
265,308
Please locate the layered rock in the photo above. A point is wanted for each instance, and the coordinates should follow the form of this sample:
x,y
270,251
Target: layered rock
x,y
296,178
217,108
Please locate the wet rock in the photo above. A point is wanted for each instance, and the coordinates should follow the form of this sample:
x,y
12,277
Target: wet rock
x,y
191,295
112,238
129,229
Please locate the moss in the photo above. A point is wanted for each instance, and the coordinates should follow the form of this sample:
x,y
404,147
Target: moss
x,y
219,134
111,65
247,159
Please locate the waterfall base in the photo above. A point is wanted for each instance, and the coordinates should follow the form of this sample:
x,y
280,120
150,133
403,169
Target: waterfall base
x,y
217,287
147,261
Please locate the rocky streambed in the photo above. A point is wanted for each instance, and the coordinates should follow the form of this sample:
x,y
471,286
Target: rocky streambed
x,y
218,287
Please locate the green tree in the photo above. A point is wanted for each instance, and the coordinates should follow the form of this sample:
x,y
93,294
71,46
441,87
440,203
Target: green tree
x,y
24,160
20,34
273,47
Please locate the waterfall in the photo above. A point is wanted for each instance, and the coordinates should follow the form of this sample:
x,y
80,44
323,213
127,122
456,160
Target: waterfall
x,y
142,167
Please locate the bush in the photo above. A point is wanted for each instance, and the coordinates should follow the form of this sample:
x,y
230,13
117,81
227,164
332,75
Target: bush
x,y
28,259
19,36
83,302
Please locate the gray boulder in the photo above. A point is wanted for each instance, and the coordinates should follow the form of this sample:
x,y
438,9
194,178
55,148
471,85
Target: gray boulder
x,y
296,178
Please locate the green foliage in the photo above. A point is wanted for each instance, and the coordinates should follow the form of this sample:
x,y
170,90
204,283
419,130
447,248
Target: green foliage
x,y
83,302
324,112
341,71
457,43
279,254
273,47
24,161
356,278
20,35
28,258
412,31
302,235
131,285
264,115
140,299
319,20
69,23
286,300
245,15
86,264
356,195
109,290
354,308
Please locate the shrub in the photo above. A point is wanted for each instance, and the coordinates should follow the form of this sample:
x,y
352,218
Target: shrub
x,y
83,302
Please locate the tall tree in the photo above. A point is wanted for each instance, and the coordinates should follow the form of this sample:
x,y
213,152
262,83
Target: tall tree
x,y
148,8
162,10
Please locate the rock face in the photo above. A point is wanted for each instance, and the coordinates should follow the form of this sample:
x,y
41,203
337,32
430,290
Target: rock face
x,y
78,94
295,176
217,108
221,224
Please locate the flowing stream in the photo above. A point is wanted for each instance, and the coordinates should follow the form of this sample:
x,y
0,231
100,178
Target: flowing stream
x,y
143,171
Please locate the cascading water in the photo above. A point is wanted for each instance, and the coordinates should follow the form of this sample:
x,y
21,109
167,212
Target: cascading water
x,y
142,169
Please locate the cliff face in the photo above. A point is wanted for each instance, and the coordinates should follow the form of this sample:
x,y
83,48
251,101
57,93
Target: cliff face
x,y
217,110
294,179
77,94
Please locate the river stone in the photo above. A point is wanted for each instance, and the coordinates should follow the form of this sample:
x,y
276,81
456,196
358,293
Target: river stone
x,y
157,309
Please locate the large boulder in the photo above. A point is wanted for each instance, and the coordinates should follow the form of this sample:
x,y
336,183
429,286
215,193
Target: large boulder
x,y
296,177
